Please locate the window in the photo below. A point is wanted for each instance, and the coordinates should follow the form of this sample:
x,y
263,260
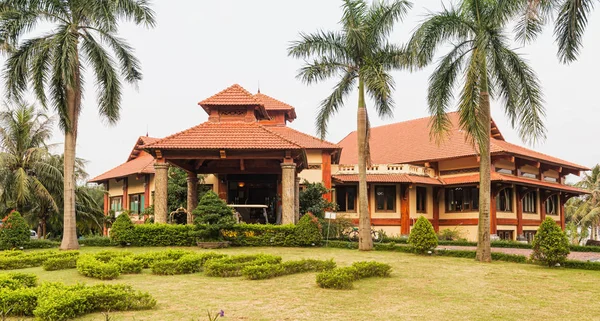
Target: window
x,y
345,197
136,203
116,203
551,179
421,199
462,199
530,202
552,205
504,200
385,198
505,235
529,175
505,171
529,235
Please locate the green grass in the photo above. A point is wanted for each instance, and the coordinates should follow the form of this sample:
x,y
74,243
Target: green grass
x,y
434,288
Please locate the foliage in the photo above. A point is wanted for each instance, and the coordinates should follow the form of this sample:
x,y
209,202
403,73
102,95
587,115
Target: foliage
x,y
422,236
582,265
122,229
260,235
149,258
164,235
96,240
60,263
16,280
312,200
233,266
177,189
186,264
361,56
127,264
40,244
214,213
268,271
89,266
576,234
334,229
10,260
342,278
14,231
450,235
308,231
550,244
584,211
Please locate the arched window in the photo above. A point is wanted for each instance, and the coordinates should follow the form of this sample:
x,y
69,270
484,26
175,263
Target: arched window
x,y
504,200
552,205
530,202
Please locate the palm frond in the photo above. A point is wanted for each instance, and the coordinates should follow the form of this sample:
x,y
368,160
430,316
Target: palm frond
x,y
321,69
321,43
380,85
382,16
330,105
569,28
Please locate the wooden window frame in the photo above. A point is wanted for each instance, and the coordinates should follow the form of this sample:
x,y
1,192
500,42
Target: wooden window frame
x,y
535,201
423,189
110,203
529,235
385,204
355,187
503,233
556,205
140,203
512,203
472,203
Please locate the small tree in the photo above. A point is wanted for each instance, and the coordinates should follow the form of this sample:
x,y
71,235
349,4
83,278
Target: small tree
x,y
311,199
215,213
308,231
422,237
550,244
14,231
122,229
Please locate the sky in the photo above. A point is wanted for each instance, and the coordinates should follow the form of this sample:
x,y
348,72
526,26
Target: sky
x,y
199,48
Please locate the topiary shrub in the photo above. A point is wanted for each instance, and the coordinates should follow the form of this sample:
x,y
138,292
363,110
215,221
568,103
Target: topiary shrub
x,y
214,214
341,278
550,244
89,266
422,236
14,231
60,263
122,229
307,232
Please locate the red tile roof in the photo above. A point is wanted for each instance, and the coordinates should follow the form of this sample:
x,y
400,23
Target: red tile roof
x,y
234,95
137,150
388,178
226,135
144,164
271,103
409,142
498,177
302,139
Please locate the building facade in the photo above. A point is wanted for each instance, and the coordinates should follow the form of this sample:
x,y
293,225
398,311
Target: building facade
x,y
249,156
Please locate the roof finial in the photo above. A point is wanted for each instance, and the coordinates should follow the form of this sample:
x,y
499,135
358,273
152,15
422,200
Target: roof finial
x,y
147,131
259,86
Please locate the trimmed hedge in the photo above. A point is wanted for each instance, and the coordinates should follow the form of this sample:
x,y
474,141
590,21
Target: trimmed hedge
x,y
89,266
97,241
60,263
259,235
268,271
128,265
233,265
343,278
15,280
147,259
10,260
186,264
163,235
18,302
582,265
41,244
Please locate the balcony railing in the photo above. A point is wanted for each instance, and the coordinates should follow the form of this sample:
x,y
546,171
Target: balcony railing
x,y
389,169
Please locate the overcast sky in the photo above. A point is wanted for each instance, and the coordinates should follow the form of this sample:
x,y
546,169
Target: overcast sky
x,y
201,47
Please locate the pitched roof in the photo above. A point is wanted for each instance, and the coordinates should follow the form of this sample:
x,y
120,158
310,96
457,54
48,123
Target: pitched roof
x,y
409,142
137,150
226,135
144,164
388,178
271,103
498,177
302,139
234,95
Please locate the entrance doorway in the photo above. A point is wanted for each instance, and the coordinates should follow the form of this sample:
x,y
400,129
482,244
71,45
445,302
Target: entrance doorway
x,y
254,189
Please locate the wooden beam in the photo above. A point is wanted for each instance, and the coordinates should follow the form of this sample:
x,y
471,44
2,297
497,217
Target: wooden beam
x,y
241,164
222,154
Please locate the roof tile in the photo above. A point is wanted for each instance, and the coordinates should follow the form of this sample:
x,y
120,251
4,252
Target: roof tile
x,y
143,164
388,178
498,177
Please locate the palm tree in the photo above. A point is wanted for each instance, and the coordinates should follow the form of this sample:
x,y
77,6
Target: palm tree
x,y
54,62
27,174
362,57
479,56
586,209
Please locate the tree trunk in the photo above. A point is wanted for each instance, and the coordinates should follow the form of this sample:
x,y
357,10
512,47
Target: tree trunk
x,y
73,95
484,253
44,229
365,242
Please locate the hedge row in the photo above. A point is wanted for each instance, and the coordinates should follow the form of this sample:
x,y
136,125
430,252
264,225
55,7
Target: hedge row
x,y
343,278
60,263
268,271
15,280
57,302
233,265
10,260
186,264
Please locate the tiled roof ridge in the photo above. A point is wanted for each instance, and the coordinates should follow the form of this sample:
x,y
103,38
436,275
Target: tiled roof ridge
x,y
275,99
150,160
224,91
544,154
173,135
279,135
137,145
313,137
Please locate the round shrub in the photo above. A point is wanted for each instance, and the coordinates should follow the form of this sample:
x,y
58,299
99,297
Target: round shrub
x,y
165,267
212,210
122,230
14,231
89,266
60,263
308,231
341,278
422,236
550,244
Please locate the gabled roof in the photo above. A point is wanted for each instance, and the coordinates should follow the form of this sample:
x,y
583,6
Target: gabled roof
x,y
302,139
409,142
271,103
498,177
143,164
234,95
137,150
226,135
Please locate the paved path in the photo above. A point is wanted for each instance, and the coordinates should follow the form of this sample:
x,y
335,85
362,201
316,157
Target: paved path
x,y
581,256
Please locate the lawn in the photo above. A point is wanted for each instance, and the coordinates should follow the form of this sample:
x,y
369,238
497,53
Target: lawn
x,y
433,288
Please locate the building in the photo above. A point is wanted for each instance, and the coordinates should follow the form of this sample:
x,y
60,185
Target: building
x,y
250,156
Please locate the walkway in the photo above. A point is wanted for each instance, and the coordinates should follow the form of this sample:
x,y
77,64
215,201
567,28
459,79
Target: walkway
x,y
580,256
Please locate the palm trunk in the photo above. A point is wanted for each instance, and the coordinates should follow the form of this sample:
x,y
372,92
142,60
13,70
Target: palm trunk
x,y
484,253
365,242
69,240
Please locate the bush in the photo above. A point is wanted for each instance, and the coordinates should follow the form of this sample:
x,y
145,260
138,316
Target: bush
x,y
127,265
550,244
259,235
214,213
164,235
582,265
18,302
232,266
307,231
41,244
334,229
10,260
95,240
148,258
449,235
122,229
108,255
267,271
371,269
60,263
14,231
14,281
422,236
89,266
165,267
312,200
342,278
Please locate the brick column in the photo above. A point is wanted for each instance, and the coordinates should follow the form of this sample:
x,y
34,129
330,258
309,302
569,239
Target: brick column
x,y
288,175
562,201
520,215
297,199
326,173
436,208
160,192
126,193
192,195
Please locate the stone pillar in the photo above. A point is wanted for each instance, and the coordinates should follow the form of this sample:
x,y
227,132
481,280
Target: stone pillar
x,y
106,207
297,199
288,174
160,192
192,195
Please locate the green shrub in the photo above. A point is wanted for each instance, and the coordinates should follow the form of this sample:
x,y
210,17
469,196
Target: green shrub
x,y
165,267
312,201
122,229
185,264
41,244
232,266
14,231
422,236
15,280
340,278
260,235
164,235
95,240
582,265
343,244
214,214
108,255
60,263
550,244
371,269
10,260
18,302
148,258
128,265
89,266
449,235
262,272
307,232
267,271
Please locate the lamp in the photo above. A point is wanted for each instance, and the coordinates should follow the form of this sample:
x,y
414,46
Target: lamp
x,y
241,184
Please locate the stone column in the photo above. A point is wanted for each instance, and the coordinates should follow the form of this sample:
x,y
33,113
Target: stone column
x,y
160,192
288,173
297,199
192,195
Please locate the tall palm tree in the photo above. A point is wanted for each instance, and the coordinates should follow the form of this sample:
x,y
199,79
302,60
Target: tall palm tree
x,y
362,57
83,33
27,173
587,208
481,58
